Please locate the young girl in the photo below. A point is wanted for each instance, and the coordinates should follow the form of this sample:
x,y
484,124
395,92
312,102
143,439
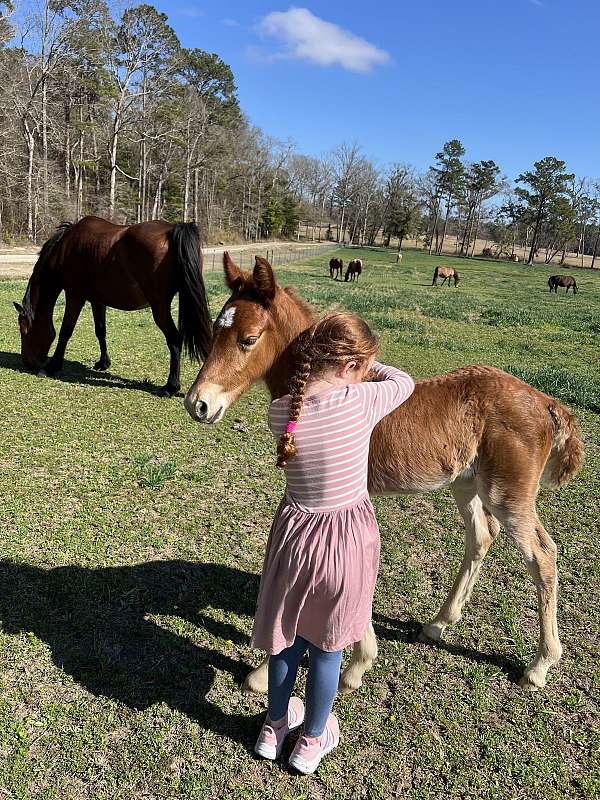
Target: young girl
x,y
322,556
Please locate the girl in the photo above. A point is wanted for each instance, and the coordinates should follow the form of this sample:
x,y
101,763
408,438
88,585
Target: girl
x,y
322,557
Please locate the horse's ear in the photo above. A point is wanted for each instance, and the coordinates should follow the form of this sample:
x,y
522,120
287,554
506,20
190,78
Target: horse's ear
x,y
233,274
264,279
19,308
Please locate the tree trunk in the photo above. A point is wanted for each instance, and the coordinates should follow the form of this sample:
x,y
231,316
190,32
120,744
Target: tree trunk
x,y
441,246
535,233
595,249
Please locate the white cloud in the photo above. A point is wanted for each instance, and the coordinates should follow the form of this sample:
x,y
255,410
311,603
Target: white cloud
x,y
309,38
230,23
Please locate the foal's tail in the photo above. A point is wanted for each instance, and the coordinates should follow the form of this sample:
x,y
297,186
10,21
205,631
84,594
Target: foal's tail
x,y
194,314
347,275
435,274
567,453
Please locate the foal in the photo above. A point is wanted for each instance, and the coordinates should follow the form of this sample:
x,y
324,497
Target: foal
x,y
497,439
447,273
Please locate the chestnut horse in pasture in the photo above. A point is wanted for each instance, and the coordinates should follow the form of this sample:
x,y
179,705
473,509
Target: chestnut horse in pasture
x,y
568,281
495,441
447,273
354,269
336,268
128,267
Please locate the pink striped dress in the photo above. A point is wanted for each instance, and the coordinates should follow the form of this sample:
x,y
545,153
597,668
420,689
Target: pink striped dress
x,y
322,555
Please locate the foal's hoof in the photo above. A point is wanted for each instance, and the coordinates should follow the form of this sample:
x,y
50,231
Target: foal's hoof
x,y
101,365
42,373
429,634
530,682
255,683
349,682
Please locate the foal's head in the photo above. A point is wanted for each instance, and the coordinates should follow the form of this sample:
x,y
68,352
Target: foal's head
x,y
254,328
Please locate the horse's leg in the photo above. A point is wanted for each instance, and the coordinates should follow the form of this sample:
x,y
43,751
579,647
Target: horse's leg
x,y
73,305
481,528
257,681
364,654
539,552
164,320
99,312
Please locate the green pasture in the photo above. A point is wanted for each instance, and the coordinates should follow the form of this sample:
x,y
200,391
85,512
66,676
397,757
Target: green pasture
x,y
132,542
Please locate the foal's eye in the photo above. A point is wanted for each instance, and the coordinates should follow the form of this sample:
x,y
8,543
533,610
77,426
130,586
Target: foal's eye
x,y
248,342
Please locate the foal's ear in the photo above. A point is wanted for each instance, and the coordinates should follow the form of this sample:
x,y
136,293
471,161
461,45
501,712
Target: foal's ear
x,y
19,308
264,279
233,274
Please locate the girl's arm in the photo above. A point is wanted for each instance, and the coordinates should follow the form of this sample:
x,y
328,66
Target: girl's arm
x,y
390,389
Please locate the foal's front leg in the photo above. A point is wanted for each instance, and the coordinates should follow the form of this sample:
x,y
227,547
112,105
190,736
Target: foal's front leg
x,y
363,656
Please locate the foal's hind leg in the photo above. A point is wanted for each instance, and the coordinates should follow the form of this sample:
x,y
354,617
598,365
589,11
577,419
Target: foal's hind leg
x,y
539,552
364,654
73,306
164,320
481,528
99,312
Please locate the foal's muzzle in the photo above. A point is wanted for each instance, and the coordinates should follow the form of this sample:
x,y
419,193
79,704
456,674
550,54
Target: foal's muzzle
x,y
207,404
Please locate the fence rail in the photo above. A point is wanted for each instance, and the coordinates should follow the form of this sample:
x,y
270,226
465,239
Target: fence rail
x,y
276,256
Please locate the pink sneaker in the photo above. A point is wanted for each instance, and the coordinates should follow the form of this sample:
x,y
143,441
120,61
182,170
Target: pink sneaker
x,y
271,739
307,753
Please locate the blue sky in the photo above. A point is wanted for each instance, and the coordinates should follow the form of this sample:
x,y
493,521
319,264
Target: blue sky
x,y
515,80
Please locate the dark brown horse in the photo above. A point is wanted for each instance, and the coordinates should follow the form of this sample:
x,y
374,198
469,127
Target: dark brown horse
x,y
336,268
447,273
354,270
568,281
128,267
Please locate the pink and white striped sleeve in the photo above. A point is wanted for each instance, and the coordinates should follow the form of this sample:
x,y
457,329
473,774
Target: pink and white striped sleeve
x,y
390,389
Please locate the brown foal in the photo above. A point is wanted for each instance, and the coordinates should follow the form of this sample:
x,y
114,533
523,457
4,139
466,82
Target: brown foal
x,y
496,441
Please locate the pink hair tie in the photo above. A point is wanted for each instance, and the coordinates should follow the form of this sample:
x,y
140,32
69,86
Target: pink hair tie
x,y
291,426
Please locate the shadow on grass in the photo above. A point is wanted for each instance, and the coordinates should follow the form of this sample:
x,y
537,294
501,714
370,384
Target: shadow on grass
x,y
408,630
75,372
95,622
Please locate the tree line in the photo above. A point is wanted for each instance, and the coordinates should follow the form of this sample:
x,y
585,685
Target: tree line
x,y
108,114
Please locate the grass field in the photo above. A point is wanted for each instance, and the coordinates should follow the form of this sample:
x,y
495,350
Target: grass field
x,y
132,542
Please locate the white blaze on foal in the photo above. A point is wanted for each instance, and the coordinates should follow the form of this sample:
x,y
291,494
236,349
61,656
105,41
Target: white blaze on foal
x,y
226,318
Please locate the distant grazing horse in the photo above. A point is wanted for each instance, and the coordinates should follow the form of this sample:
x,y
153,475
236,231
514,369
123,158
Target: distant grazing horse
x,y
336,268
128,267
354,270
493,443
447,273
554,281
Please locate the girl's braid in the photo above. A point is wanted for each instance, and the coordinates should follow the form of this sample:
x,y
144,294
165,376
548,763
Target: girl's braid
x,y
286,447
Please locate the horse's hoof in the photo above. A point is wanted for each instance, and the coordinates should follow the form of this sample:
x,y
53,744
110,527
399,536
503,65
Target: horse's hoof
x,y
168,391
530,682
254,684
42,373
429,634
349,683
102,366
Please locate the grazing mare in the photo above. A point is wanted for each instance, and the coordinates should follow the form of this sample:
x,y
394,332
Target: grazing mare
x,y
128,267
354,269
447,273
336,268
494,443
568,281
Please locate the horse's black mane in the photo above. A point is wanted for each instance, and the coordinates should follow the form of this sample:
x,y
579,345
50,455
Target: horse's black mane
x,y
44,255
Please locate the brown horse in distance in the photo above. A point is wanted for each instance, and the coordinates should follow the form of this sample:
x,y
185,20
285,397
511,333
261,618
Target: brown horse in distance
x,y
354,269
568,281
497,439
336,268
447,273
127,267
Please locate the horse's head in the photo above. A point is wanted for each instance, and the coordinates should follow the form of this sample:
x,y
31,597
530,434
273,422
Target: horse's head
x,y
37,333
254,328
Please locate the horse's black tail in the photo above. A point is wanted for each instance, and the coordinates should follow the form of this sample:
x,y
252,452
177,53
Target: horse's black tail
x,y
194,314
456,278
347,273
435,274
